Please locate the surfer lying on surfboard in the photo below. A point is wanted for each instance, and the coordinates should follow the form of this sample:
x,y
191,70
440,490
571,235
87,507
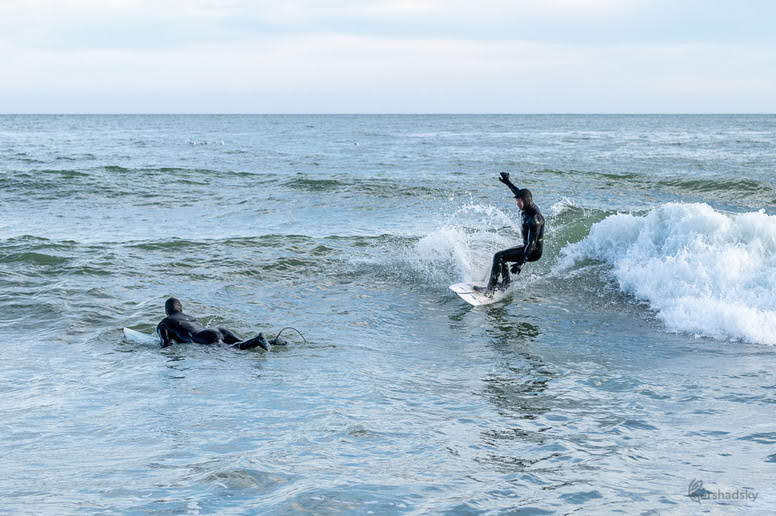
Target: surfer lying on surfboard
x,y
179,327
532,229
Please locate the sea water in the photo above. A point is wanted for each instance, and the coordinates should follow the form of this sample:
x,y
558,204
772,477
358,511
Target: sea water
x,y
633,361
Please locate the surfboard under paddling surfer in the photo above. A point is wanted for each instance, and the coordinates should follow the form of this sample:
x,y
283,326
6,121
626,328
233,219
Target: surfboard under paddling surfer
x,y
532,229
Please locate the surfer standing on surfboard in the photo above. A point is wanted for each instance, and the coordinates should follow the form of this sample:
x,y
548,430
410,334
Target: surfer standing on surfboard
x,y
532,229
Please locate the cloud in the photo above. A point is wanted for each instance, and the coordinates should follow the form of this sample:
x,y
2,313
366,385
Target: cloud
x,y
335,73
125,24
386,56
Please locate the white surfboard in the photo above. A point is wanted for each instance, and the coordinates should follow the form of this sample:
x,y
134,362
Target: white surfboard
x,y
137,337
466,292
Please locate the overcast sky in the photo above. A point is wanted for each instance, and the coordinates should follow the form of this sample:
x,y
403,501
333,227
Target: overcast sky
x,y
387,56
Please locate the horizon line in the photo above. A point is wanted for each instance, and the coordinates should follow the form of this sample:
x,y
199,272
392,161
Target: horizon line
x,y
570,113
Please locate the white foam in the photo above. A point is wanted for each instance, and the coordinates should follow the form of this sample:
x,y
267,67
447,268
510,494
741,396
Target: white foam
x,y
563,206
703,271
462,248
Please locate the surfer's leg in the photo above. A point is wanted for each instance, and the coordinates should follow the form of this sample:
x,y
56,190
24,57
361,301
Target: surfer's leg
x,y
499,265
505,279
207,336
495,269
534,257
257,341
228,337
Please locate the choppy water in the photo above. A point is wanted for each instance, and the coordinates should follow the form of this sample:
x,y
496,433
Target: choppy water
x,y
637,356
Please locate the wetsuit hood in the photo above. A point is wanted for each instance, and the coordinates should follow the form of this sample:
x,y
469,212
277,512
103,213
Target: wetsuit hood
x,y
525,195
172,306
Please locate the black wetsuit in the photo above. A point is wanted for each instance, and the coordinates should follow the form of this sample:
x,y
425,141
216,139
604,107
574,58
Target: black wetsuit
x,y
532,229
179,327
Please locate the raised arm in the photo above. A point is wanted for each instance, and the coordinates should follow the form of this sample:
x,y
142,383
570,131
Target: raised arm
x,y
504,178
164,333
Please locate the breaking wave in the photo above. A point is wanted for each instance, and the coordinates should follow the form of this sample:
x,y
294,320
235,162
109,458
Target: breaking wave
x,y
702,271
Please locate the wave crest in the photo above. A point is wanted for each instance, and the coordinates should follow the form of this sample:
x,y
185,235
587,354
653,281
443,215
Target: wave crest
x,y
703,271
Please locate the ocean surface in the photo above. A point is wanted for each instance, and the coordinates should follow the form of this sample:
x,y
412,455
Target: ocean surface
x,y
635,360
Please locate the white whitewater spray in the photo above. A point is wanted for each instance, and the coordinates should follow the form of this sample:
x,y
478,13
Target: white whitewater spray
x,y
462,249
563,206
702,271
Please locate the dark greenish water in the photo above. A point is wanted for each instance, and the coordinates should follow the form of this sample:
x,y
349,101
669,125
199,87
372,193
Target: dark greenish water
x,y
635,357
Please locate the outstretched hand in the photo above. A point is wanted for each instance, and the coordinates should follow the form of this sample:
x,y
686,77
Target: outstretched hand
x,y
504,178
